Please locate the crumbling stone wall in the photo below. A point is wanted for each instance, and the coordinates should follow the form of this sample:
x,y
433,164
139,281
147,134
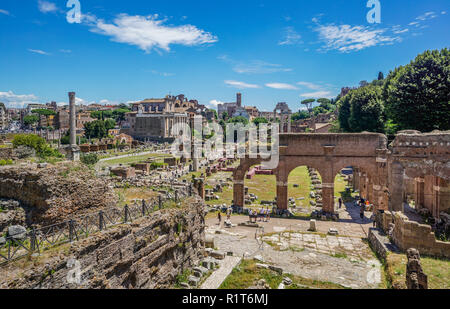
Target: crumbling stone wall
x,y
408,234
16,153
147,254
51,195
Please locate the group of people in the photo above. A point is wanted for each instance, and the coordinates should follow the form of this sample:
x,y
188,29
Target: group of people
x,y
262,215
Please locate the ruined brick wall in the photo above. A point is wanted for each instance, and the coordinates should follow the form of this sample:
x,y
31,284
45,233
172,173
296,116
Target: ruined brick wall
x,y
147,254
53,194
408,234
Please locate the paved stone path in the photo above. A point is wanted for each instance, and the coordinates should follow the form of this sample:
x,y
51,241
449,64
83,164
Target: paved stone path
x,y
217,277
344,259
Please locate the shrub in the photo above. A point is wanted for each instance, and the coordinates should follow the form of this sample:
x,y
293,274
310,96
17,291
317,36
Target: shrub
x,y
36,142
155,165
89,159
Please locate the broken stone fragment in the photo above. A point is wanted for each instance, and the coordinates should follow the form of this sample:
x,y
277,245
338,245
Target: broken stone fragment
x,y
17,232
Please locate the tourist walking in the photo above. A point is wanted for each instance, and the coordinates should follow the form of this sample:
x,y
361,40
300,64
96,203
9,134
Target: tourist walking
x,y
219,217
229,213
340,203
361,211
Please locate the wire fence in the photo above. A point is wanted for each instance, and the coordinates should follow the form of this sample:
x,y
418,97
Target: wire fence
x,y
35,241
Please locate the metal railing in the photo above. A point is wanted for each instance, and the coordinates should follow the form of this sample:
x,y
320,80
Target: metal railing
x,y
35,241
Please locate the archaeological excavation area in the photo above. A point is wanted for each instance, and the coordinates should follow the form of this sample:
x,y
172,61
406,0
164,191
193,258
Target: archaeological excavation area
x,y
130,223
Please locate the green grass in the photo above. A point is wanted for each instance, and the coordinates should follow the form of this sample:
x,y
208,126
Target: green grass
x,y
437,270
133,159
264,187
246,274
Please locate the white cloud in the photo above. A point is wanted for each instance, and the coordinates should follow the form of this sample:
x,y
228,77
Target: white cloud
x,y
80,101
38,51
149,32
240,85
108,102
346,38
65,51
165,74
427,15
291,37
317,94
4,12
46,6
281,86
17,100
254,66
215,102
443,12
398,31
309,85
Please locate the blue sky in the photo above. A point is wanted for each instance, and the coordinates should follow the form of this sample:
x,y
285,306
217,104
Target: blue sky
x,y
271,51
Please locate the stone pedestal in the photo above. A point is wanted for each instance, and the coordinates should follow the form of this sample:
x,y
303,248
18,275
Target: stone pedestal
x,y
71,152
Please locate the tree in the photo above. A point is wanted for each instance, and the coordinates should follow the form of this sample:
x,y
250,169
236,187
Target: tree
x,y
124,106
363,83
31,120
417,96
259,120
215,113
238,119
344,112
366,110
324,102
380,76
119,114
43,112
95,129
96,115
110,124
225,116
300,115
308,103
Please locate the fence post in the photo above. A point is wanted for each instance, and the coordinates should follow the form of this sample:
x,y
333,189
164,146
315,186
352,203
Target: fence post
x,y
71,230
143,208
126,213
160,201
176,195
190,189
100,220
33,240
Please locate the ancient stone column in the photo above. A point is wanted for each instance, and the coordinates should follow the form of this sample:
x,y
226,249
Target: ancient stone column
x,y
282,195
355,178
396,187
370,196
328,197
72,119
238,193
419,192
